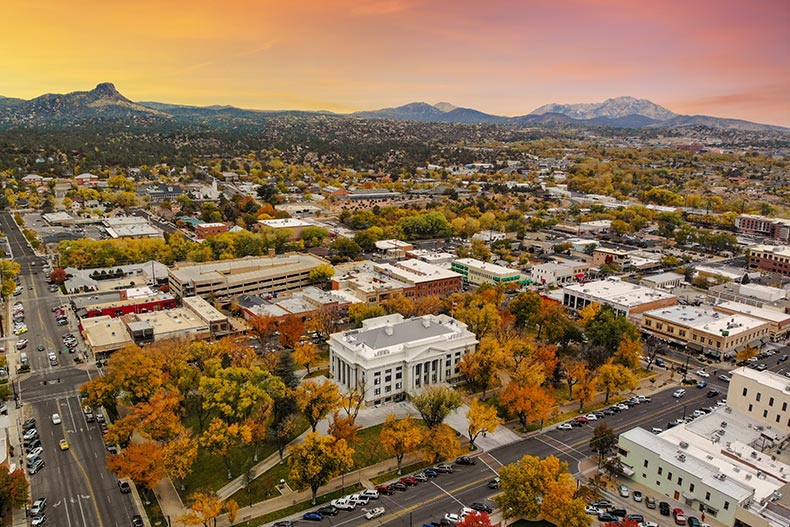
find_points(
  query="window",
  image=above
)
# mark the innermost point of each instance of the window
(447, 363)
(771, 401)
(707, 496)
(750, 407)
(399, 375)
(669, 476)
(680, 481)
(758, 396)
(726, 505)
(377, 391)
(691, 488)
(645, 463)
(377, 380)
(784, 407)
(744, 392)
(660, 470)
(388, 378)
(765, 414)
(387, 388)
(398, 386)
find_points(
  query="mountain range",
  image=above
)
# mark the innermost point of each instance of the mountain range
(105, 103)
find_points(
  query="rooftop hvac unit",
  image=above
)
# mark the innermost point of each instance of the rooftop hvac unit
(683, 444)
(724, 424)
(720, 476)
(681, 457)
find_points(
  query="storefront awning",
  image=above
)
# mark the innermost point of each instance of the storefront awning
(694, 346)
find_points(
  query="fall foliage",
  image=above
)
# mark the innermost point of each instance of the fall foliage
(399, 437)
(317, 460)
(482, 418)
(315, 400)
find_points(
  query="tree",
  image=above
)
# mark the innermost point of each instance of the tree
(363, 311)
(608, 330)
(440, 442)
(321, 274)
(628, 353)
(282, 431)
(530, 402)
(143, 463)
(324, 321)
(317, 460)
(475, 519)
(481, 367)
(237, 393)
(746, 353)
(603, 442)
(206, 508)
(435, 403)
(399, 437)
(179, 454)
(613, 378)
(482, 418)
(291, 330)
(58, 275)
(534, 487)
(575, 371)
(346, 248)
(219, 437)
(316, 400)
(8, 272)
(343, 427)
(305, 354)
(398, 303)
(13, 489)
(587, 389)
(354, 399)
(588, 313)
(313, 237)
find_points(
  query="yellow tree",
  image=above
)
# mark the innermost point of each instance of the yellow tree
(399, 437)
(206, 508)
(305, 354)
(219, 437)
(613, 378)
(530, 402)
(317, 460)
(481, 367)
(586, 390)
(589, 312)
(482, 418)
(343, 427)
(398, 303)
(8, 271)
(440, 442)
(575, 371)
(178, 456)
(140, 462)
(747, 353)
(315, 400)
(628, 353)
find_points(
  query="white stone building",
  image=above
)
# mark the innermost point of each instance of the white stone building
(391, 356)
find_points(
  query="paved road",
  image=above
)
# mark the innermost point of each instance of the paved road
(80, 490)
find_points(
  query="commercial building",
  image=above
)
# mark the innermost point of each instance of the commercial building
(131, 227)
(624, 298)
(774, 228)
(228, 279)
(663, 280)
(440, 258)
(391, 357)
(303, 303)
(394, 248)
(762, 395)
(104, 334)
(778, 322)
(218, 324)
(423, 278)
(205, 230)
(360, 280)
(293, 226)
(476, 272)
(753, 294)
(554, 273)
(769, 258)
(705, 330)
(122, 302)
(609, 256)
(151, 273)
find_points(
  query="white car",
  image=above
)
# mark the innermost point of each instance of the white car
(372, 494)
(703, 374)
(622, 406)
(344, 504)
(359, 499)
(56, 419)
(451, 518)
(595, 511)
(565, 426)
(34, 453)
(679, 393)
(21, 344)
(648, 524)
(591, 417)
(374, 513)
(624, 491)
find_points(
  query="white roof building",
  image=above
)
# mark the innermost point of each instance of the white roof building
(624, 297)
(391, 356)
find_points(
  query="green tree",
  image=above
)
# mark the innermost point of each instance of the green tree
(321, 274)
(435, 403)
(603, 442)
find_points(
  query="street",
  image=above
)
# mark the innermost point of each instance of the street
(80, 490)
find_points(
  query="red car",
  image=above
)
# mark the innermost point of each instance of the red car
(385, 489)
(679, 515)
(581, 419)
(409, 480)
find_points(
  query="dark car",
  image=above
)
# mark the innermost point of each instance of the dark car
(30, 423)
(431, 473)
(314, 516)
(607, 517)
(409, 480)
(602, 504)
(609, 411)
(398, 486)
(693, 521)
(663, 508)
(599, 415)
(620, 513)
(124, 487)
(712, 393)
(783, 358)
(635, 517)
(464, 460)
(331, 510)
(137, 521)
(385, 489)
(284, 523)
(481, 507)
(660, 362)
(581, 419)
(493, 484)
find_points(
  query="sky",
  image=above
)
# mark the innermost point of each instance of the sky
(727, 58)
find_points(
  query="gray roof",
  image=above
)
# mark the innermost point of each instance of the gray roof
(403, 332)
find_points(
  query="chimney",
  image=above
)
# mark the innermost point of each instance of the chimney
(388, 329)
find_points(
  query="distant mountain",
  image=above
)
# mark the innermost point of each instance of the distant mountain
(610, 108)
(102, 102)
(445, 106)
(105, 103)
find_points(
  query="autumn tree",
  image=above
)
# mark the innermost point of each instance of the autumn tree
(354, 398)
(315, 400)
(179, 455)
(587, 389)
(291, 330)
(534, 487)
(400, 436)
(575, 371)
(481, 367)
(628, 353)
(482, 418)
(435, 403)
(263, 327)
(475, 519)
(237, 393)
(530, 402)
(343, 427)
(134, 374)
(363, 311)
(324, 321)
(398, 303)
(143, 463)
(588, 313)
(220, 437)
(13, 489)
(317, 460)
(613, 378)
(205, 508)
(305, 354)
(321, 274)
(746, 353)
(282, 431)
(9, 270)
(58, 275)
(439, 442)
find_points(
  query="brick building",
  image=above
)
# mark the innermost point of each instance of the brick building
(772, 259)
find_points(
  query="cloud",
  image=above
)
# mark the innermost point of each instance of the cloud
(379, 8)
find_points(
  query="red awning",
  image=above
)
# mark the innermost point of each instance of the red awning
(580, 276)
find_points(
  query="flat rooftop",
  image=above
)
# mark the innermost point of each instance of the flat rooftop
(756, 312)
(286, 223)
(203, 309)
(489, 267)
(416, 271)
(619, 292)
(245, 269)
(133, 231)
(690, 316)
(169, 321)
(779, 250)
(767, 378)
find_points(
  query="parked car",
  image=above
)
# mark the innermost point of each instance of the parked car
(663, 508)
(724, 378)
(431, 473)
(33, 453)
(692, 521)
(328, 510)
(595, 511)
(601, 504)
(637, 496)
(137, 521)
(565, 426)
(481, 507)
(314, 516)
(639, 518)
(409, 480)
(399, 486)
(36, 466)
(371, 494)
(464, 460)
(493, 484)
(623, 491)
(444, 467)
(650, 502)
(359, 499)
(703, 374)
(39, 520)
(385, 489)
(124, 486)
(30, 434)
(374, 513)
(712, 393)
(421, 477)
(38, 506)
(677, 394)
(607, 517)
(679, 516)
(581, 419)
(344, 504)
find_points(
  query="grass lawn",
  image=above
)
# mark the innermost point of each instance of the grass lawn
(152, 510)
(318, 372)
(209, 471)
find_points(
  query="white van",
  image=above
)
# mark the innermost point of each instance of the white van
(23, 359)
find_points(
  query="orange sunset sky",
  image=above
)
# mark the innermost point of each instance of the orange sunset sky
(728, 58)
